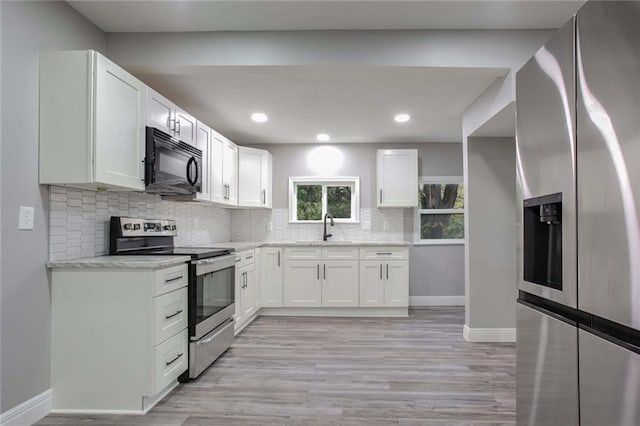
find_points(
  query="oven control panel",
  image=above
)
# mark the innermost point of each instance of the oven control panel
(134, 227)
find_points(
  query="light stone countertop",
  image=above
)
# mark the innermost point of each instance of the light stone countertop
(122, 262)
(248, 245)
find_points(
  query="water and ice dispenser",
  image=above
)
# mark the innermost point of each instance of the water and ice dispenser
(543, 240)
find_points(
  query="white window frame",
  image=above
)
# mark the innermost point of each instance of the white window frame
(419, 212)
(352, 181)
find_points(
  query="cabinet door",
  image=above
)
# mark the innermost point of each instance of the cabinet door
(119, 126)
(160, 111)
(230, 172)
(217, 189)
(396, 287)
(249, 177)
(248, 299)
(203, 143)
(302, 284)
(185, 127)
(239, 292)
(257, 278)
(267, 179)
(271, 277)
(397, 176)
(371, 283)
(340, 283)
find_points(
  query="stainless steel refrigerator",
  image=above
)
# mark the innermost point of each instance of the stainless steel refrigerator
(578, 159)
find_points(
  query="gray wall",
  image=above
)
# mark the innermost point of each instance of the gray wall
(437, 159)
(27, 28)
(491, 239)
(435, 270)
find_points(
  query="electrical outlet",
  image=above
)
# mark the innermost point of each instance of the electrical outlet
(25, 218)
(385, 225)
(366, 225)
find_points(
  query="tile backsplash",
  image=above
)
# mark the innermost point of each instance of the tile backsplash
(273, 225)
(79, 222)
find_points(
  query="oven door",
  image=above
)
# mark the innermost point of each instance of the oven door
(212, 295)
(173, 167)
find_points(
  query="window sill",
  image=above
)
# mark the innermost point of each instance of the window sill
(439, 243)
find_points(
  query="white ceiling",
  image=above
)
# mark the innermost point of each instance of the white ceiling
(262, 15)
(352, 104)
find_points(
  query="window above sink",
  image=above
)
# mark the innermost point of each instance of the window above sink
(310, 198)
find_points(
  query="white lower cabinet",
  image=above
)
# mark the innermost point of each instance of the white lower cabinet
(246, 290)
(384, 283)
(118, 336)
(371, 283)
(302, 283)
(340, 283)
(271, 276)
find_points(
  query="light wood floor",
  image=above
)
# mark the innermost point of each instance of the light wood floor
(334, 371)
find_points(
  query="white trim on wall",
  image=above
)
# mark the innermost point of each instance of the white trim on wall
(489, 335)
(436, 300)
(29, 411)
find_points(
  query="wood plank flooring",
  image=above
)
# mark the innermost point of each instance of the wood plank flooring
(343, 371)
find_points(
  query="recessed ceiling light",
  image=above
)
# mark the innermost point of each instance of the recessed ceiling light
(322, 137)
(402, 118)
(259, 117)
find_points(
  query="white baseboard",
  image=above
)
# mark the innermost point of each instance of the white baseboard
(489, 335)
(335, 312)
(29, 411)
(436, 300)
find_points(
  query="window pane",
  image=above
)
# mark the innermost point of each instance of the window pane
(309, 202)
(441, 196)
(441, 226)
(339, 201)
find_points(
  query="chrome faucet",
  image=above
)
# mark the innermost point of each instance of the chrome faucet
(325, 236)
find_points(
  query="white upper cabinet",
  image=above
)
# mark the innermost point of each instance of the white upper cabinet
(160, 112)
(230, 172)
(217, 189)
(185, 127)
(104, 148)
(166, 116)
(223, 170)
(254, 177)
(397, 178)
(203, 143)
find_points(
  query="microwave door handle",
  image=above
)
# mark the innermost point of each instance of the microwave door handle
(191, 160)
(195, 179)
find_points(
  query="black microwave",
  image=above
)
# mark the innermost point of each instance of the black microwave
(171, 166)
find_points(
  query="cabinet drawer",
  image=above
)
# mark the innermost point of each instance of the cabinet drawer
(302, 253)
(384, 253)
(170, 279)
(170, 312)
(340, 253)
(170, 360)
(244, 258)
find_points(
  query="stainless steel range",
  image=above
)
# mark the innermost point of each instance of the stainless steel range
(211, 284)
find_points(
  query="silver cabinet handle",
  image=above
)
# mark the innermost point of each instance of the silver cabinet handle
(178, 125)
(249, 257)
(170, 280)
(278, 258)
(381, 271)
(264, 196)
(318, 271)
(324, 270)
(173, 315)
(381, 196)
(168, 363)
(172, 120)
(387, 271)
(383, 254)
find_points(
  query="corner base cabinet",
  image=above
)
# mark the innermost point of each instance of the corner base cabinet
(92, 123)
(119, 337)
